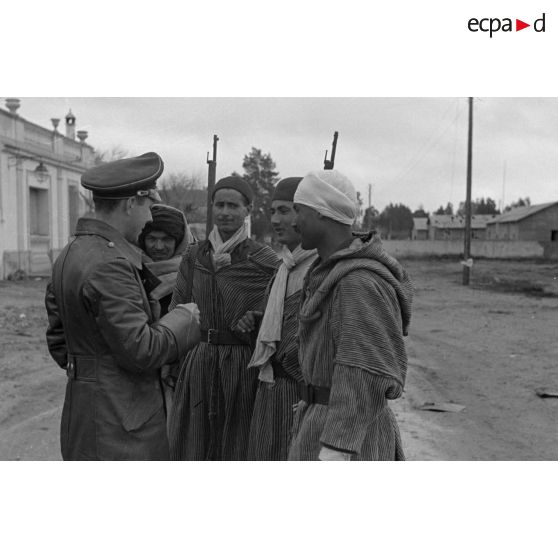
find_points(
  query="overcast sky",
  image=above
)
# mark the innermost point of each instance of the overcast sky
(412, 150)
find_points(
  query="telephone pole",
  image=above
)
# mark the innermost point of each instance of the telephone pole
(467, 247)
(503, 188)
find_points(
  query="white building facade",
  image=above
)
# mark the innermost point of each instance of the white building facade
(40, 193)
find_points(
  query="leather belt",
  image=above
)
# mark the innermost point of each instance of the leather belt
(221, 337)
(313, 394)
(82, 368)
(278, 370)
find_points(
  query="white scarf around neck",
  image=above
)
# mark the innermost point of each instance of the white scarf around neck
(272, 321)
(221, 250)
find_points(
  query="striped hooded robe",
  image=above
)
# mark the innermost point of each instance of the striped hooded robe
(272, 421)
(355, 311)
(214, 397)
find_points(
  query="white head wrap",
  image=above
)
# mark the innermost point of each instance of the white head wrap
(329, 193)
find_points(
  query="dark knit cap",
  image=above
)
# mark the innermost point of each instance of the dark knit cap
(167, 219)
(123, 178)
(234, 183)
(286, 188)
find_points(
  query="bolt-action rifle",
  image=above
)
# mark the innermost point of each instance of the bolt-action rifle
(211, 173)
(328, 165)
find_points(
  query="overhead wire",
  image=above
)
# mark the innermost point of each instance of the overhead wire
(431, 143)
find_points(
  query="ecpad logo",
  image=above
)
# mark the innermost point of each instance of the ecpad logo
(493, 25)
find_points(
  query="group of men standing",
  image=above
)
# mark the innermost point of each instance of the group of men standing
(220, 349)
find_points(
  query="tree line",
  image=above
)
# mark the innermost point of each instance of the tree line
(188, 192)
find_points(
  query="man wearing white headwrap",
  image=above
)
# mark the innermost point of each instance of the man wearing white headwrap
(276, 353)
(355, 311)
(330, 193)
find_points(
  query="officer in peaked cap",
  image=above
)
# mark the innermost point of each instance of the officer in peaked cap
(102, 330)
(125, 178)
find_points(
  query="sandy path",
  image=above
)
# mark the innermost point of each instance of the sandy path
(483, 349)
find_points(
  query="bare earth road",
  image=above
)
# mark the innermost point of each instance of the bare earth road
(486, 347)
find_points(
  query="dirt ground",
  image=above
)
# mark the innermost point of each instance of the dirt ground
(487, 347)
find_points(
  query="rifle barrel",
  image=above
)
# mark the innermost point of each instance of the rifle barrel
(328, 165)
(211, 174)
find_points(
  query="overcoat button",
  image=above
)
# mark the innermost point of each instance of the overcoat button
(111, 244)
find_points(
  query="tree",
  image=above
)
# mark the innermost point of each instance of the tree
(519, 203)
(396, 221)
(185, 192)
(448, 210)
(480, 206)
(260, 173)
(420, 212)
(111, 154)
(370, 218)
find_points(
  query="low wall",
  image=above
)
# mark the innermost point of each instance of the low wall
(28, 262)
(479, 248)
(13, 260)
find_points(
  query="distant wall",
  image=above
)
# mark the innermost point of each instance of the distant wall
(484, 249)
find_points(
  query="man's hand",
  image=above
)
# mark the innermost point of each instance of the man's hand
(249, 321)
(191, 308)
(330, 454)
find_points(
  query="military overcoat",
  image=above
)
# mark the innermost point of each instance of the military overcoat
(102, 331)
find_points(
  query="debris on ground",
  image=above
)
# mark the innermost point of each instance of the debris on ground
(17, 275)
(442, 407)
(545, 392)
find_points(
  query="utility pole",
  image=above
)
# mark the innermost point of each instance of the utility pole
(211, 173)
(503, 188)
(467, 247)
(369, 195)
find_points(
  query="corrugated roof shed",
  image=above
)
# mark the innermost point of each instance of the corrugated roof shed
(420, 223)
(519, 213)
(456, 222)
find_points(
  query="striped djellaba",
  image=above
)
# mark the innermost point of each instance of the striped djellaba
(214, 397)
(272, 420)
(355, 311)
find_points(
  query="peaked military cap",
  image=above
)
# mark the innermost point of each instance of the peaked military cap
(235, 183)
(286, 188)
(125, 178)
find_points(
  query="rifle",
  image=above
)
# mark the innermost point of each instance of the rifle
(211, 172)
(328, 165)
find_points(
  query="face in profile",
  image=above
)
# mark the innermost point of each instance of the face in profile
(159, 245)
(308, 225)
(139, 215)
(282, 217)
(230, 209)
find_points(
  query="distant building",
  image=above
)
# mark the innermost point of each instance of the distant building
(420, 228)
(452, 227)
(534, 222)
(40, 193)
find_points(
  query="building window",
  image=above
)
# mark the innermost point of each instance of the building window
(38, 211)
